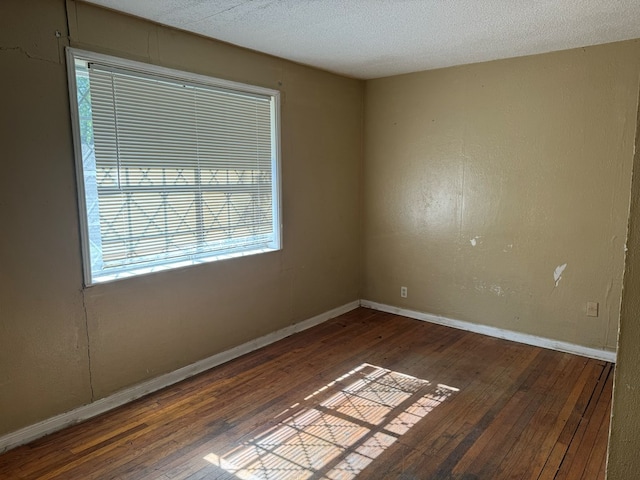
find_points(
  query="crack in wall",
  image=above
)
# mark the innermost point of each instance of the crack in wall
(27, 54)
(86, 330)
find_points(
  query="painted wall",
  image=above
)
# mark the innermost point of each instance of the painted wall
(483, 181)
(624, 441)
(62, 346)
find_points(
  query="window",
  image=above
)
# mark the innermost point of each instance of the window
(173, 168)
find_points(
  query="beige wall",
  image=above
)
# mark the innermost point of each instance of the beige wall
(480, 180)
(624, 441)
(136, 329)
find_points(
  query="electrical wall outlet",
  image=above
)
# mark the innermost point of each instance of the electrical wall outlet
(592, 309)
(403, 292)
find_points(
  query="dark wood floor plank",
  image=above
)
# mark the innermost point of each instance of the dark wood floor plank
(598, 459)
(552, 433)
(525, 459)
(502, 437)
(505, 411)
(369, 394)
(453, 430)
(581, 447)
(577, 412)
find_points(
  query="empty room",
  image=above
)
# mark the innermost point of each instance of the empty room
(319, 239)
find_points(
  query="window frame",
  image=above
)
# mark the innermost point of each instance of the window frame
(155, 71)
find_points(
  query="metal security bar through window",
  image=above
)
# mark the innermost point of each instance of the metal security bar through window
(176, 168)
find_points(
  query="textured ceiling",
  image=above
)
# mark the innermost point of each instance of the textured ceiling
(376, 38)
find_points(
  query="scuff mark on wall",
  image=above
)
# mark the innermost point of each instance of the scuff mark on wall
(607, 295)
(557, 274)
(474, 240)
(482, 287)
(497, 289)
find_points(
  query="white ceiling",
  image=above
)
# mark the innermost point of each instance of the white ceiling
(377, 38)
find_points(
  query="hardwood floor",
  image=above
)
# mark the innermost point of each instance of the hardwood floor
(367, 395)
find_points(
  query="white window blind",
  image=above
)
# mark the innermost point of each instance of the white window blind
(175, 170)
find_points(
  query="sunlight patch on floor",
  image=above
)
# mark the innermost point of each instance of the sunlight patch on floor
(338, 430)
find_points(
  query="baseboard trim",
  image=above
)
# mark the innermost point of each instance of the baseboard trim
(496, 332)
(50, 425)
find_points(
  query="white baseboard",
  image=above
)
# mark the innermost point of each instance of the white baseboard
(496, 332)
(93, 409)
(50, 425)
